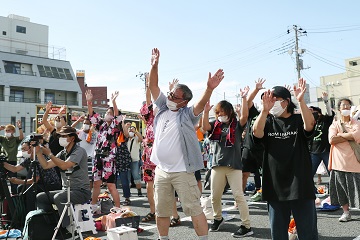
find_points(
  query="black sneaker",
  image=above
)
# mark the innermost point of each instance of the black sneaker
(216, 225)
(242, 232)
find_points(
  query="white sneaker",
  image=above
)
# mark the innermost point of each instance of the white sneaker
(95, 209)
(345, 217)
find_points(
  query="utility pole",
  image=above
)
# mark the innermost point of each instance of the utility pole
(142, 76)
(298, 51)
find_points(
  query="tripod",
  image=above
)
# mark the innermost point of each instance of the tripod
(71, 212)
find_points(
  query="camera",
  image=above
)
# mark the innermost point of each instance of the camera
(102, 152)
(3, 157)
(35, 138)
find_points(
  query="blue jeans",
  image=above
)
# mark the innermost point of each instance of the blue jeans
(304, 214)
(125, 183)
(135, 171)
(316, 160)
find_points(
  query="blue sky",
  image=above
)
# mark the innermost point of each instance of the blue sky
(112, 41)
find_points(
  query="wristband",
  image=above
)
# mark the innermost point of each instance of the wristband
(20, 128)
(326, 101)
(50, 155)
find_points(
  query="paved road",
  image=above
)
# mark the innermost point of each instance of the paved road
(328, 225)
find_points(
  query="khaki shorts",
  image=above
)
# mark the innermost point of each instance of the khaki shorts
(186, 187)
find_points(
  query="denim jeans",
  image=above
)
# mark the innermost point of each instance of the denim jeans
(316, 160)
(125, 183)
(135, 172)
(304, 214)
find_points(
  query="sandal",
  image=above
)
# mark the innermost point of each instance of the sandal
(175, 221)
(149, 217)
(127, 202)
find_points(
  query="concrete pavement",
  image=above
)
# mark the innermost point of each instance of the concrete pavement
(328, 225)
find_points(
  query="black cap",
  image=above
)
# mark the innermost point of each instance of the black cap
(282, 92)
(317, 109)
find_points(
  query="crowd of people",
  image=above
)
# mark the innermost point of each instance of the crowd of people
(286, 142)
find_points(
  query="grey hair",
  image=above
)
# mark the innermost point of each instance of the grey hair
(187, 93)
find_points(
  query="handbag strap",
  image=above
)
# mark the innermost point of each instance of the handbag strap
(343, 127)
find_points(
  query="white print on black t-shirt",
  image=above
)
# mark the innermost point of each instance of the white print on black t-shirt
(282, 135)
(165, 125)
(318, 129)
(225, 130)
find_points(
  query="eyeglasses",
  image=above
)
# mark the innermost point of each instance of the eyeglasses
(345, 105)
(172, 96)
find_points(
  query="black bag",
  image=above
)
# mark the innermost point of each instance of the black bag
(40, 225)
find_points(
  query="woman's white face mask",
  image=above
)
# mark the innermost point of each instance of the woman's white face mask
(25, 154)
(223, 119)
(345, 112)
(58, 124)
(277, 109)
(108, 118)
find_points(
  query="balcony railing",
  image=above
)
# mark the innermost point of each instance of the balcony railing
(63, 102)
(25, 100)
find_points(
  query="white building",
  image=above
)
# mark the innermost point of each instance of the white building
(28, 77)
(342, 85)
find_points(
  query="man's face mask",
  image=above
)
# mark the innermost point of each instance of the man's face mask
(86, 127)
(277, 109)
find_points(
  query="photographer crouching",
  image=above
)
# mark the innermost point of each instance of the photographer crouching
(37, 180)
(73, 158)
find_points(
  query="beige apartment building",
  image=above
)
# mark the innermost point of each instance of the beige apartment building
(346, 84)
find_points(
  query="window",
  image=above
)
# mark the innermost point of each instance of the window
(4, 33)
(103, 102)
(49, 97)
(61, 73)
(13, 120)
(23, 123)
(68, 74)
(20, 29)
(54, 72)
(353, 63)
(48, 72)
(12, 67)
(95, 102)
(16, 95)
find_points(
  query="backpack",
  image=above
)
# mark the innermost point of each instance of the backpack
(40, 225)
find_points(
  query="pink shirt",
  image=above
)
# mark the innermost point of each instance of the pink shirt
(342, 157)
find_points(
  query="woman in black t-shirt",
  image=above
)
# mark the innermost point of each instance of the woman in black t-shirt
(287, 181)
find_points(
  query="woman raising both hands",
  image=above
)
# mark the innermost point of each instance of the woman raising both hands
(104, 164)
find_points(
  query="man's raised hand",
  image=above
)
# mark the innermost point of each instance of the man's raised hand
(155, 55)
(215, 80)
